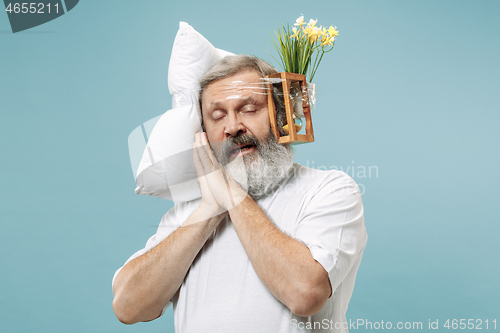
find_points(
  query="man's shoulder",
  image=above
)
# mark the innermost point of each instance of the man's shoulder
(320, 175)
(322, 182)
(307, 183)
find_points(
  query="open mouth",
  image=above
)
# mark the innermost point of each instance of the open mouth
(242, 148)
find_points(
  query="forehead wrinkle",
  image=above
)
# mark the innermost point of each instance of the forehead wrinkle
(238, 87)
(234, 89)
(240, 100)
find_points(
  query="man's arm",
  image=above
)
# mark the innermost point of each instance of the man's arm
(283, 264)
(147, 283)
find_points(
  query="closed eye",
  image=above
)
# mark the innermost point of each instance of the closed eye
(217, 114)
(249, 108)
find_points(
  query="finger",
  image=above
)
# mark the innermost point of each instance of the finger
(229, 192)
(204, 154)
(197, 149)
(200, 170)
(201, 154)
(210, 152)
(197, 139)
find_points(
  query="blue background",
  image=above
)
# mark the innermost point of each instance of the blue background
(410, 90)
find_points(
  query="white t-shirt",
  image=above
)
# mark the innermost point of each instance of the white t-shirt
(222, 292)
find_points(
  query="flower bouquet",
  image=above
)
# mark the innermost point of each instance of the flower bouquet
(300, 51)
(297, 48)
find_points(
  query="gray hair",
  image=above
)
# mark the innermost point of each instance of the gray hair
(231, 65)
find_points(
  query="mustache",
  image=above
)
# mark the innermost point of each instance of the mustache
(233, 143)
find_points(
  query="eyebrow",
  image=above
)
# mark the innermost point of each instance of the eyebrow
(218, 104)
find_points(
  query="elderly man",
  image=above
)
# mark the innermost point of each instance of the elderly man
(271, 246)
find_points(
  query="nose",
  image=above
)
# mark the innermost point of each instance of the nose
(234, 127)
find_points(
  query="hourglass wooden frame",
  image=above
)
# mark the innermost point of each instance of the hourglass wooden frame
(286, 80)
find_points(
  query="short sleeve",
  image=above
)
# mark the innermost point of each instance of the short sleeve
(332, 226)
(169, 223)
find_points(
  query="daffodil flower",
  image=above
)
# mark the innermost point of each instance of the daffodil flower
(295, 33)
(312, 33)
(300, 21)
(328, 41)
(320, 32)
(312, 22)
(332, 31)
(307, 31)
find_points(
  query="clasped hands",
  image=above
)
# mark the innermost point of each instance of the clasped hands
(219, 192)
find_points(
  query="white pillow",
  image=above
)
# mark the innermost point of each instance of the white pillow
(192, 55)
(166, 168)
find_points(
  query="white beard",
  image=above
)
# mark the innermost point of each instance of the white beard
(262, 171)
